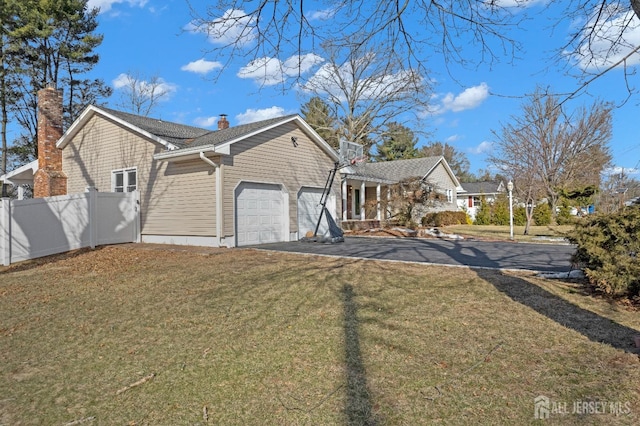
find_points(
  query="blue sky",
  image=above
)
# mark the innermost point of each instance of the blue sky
(151, 38)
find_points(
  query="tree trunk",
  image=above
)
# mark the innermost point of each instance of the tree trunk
(635, 4)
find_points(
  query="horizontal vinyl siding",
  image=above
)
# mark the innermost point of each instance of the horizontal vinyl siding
(184, 201)
(179, 192)
(442, 181)
(101, 147)
(270, 157)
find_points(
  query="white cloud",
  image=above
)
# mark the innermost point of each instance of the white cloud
(452, 138)
(270, 71)
(206, 121)
(201, 66)
(145, 88)
(234, 27)
(251, 115)
(105, 5)
(608, 39)
(470, 98)
(515, 3)
(322, 15)
(333, 80)
(616, 170)
(482, 148)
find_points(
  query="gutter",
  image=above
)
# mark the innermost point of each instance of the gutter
(188, 153)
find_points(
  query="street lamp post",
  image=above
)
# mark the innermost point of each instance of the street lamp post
(510, 188)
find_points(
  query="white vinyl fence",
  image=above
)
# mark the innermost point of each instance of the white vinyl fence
(43, 226)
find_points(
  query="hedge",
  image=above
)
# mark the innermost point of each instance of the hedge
(445, 218)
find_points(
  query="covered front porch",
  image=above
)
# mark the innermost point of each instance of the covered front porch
(365, 199)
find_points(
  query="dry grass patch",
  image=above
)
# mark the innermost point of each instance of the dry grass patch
(536, 233)
(126, 335)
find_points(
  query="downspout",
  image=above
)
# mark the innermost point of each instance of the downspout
(219, 199)
(208, 160)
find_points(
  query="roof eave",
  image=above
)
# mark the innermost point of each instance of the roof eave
(449, 171)
(191, 153)
(23, 175)
(92, 110)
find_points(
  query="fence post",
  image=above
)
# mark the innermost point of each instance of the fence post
(93, 215)
(5, 232)
(136, 209)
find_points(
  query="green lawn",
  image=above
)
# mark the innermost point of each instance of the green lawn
(129, 335)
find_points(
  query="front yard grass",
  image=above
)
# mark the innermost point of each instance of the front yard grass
(128, 335)
(498, 232)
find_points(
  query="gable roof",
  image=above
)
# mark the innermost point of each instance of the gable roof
(23, 175)
(484, 187)
(183, 141)
(175, 133)
(398, 170)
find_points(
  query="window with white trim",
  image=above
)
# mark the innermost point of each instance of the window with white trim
(450, 195)
(125, 180)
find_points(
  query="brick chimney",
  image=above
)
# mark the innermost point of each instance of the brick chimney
(223, 123)
(49, 180)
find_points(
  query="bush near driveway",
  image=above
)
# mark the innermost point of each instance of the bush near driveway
(609, 250)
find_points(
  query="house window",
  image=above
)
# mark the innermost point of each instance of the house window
(450, 195)
(125, 180)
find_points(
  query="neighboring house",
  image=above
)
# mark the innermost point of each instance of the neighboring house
(474, 193)
(365, 189)
(249, 184)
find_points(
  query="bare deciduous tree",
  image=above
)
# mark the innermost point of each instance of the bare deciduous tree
(289, 29)
(367, 92)
(409, 198)
(139, 95)
(546, 150)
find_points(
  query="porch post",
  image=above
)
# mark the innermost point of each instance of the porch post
(378, 213)
(387, 213)
(344, 198)
(20, 192)
(363, 214)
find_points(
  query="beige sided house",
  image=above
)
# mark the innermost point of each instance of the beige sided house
(249, 184)
(366, 189)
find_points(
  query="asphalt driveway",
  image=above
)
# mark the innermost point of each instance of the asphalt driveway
(485, 254)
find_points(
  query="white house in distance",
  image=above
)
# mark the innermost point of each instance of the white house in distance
(474, 192)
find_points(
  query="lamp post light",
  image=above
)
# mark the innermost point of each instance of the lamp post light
(510, 188)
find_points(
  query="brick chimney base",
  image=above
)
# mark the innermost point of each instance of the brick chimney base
(49, 183)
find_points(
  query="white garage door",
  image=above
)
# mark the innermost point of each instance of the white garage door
(260, 215)
(309, 211)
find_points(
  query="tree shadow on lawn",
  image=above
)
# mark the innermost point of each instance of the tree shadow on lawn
(591, 325)
(359, 407)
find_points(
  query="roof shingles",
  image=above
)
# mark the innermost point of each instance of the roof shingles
(398, 170)
(183, 136)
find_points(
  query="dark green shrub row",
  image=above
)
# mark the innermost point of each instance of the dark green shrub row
(608, 250)
(497, 213)
(445, 218)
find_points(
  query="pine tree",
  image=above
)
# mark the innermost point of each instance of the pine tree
(54, 43)
(317, 113)
(398, 143)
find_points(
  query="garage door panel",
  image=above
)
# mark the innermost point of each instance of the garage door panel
(260, 215)
(309, 211)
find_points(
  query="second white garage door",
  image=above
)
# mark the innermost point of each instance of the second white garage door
(309, 210)
(260, 214)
